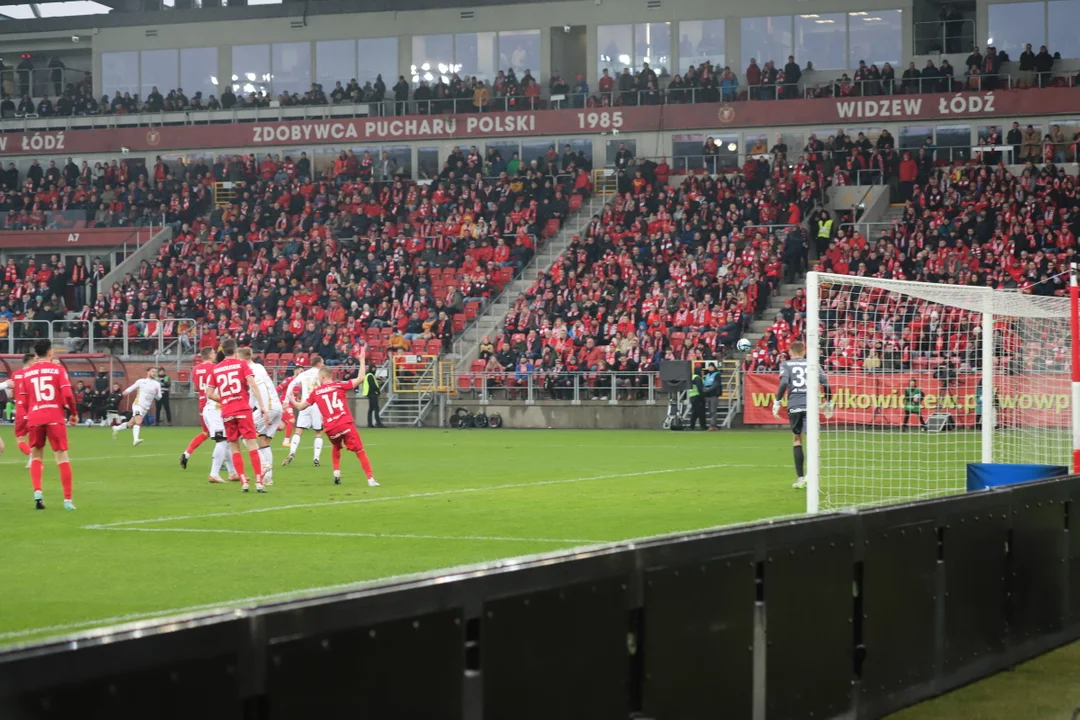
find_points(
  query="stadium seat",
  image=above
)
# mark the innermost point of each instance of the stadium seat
(271, 359)
(286, 359)
(183, 376)
(471, 310)
(458, 322)
(477, 365)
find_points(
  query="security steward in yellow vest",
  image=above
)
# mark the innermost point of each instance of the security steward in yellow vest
(371, 391)
(697, 401)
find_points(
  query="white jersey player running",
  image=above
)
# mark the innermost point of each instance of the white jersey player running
(146, 390)
(265, 425)
(309, 418)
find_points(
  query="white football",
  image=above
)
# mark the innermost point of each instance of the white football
(743, 345)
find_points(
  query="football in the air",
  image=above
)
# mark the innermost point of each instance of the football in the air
(743, 345)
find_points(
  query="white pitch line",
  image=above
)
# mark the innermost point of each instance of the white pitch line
(435, 493)
(404, 536)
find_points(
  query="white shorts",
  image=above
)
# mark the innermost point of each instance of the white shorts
(309, 419)
(137, 410)
(267, 427)
(212, 417)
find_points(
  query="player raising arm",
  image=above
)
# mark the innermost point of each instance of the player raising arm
(793, 384)
(46, 392)
(146, 390)
(230, 385)
(332, 401)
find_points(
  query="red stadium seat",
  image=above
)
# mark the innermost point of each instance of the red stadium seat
(677, 339)
(271, 359)
(471, 310)
(286, 358)
(182, 376)
(477, 365)
(465, 384)
(575, 203)
(552, 227)
(458, 322)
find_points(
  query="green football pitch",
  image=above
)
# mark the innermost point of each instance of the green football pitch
(149, 538)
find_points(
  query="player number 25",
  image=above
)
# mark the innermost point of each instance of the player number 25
(44, 389)
(229, 383)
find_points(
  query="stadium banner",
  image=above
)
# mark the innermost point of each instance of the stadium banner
(827, 112)
(878, 399)
(58, 239)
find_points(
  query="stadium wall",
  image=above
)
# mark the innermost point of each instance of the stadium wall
(853, 615)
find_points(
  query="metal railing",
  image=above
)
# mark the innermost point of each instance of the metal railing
(956, 35)
(168, 338)
(576, 387)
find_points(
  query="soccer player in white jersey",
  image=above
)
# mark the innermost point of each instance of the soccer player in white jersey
(309, 418)
(146, 390)
(265, 425)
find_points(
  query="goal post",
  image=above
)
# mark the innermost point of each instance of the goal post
(927, 378)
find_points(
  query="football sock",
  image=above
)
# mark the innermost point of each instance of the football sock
(36, 468)
(318, 447)
(121, 426)
(195, 443)
(256, 463)
(288, 429)
(135, 430)
(24, 448)
(798, 460)
(335, 457)
(266, 457)
(218, 458)
(365, 463)
(65, 478)
(294, 444)
(238, 462)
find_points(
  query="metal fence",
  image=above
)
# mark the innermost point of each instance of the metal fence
(575, 387)
(164, 339)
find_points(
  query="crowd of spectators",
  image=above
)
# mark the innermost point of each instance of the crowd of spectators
(301, 261)
(661, 273)
(962, 225)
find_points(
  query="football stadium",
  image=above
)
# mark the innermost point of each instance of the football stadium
(602, 360)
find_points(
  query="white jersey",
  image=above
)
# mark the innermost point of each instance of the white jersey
(307, 380)
(266, 386)
(147, 391)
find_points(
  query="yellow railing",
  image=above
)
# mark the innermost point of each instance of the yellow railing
(421, 374)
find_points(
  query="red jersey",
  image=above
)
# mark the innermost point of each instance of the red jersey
(16, 381)
(46, 391)
(229, 378)
(281, 388)
(201, 376)
(333, 404)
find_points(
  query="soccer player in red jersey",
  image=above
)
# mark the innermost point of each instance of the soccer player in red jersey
(229, 385)
(289, 417)
(338, 423)
(46, 392)
(200, 375)
(13, 386)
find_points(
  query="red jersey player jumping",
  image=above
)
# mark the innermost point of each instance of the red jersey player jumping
(229, 385)
(338, 423)
(46, 392)
(200, 375)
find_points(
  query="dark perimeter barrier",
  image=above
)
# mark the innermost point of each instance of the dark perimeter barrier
(852, 615)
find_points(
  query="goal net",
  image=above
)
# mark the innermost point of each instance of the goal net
(926, 378)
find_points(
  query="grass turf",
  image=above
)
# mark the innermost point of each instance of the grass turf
(447, 498)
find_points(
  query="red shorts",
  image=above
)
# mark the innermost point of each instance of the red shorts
(20, 423)
(240, 426)
(346, 437)
(287, 413)
(55, 432)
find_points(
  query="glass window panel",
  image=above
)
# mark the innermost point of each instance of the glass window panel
(1063, 19)
(612, 148)
(701, 41)
(520, 50)
(1013, 25)
(764, 39)
(579, 145)
(615, 44)
(198, 71)
(335, 61)
(912, 136)
(536, 150)
(432, 58)
(874, 37)
(475, 55)
(686, 153)
(954, 142)
(119, 73)
(820, 39)
(402, 155)
(728, 156)
(251, 68)
(428, 159)
(291, 67)
(652, 44)
(160, 69)
(380, 57)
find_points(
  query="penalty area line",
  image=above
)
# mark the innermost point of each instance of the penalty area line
(402, 536)
(434, 493)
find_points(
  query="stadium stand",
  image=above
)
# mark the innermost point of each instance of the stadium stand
(295, 263)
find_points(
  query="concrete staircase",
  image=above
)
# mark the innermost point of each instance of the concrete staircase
(893, 213)
(776, 303)
(490, 320)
